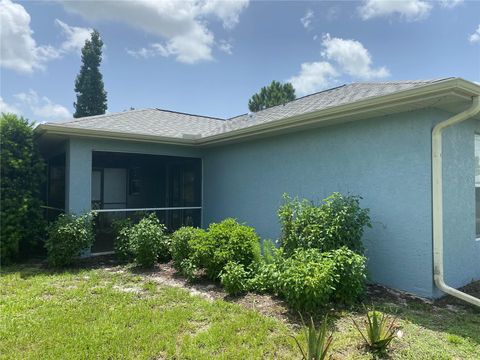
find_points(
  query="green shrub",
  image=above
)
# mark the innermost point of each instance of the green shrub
(67, 237)
(225, 242)
(188, 268)
(350, 275)
(181, 247)
(22, 228)
(148, 241)
(266, 273)
(338, 221)
(123, 248)
(265, 278)
(307, 280)
(234, 278)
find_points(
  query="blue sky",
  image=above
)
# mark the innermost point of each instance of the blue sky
(208, 57)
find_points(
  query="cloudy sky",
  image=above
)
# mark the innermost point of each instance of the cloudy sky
(208, 57)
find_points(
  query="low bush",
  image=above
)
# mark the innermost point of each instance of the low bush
(181, 247)
(67, 237)
(307, 280)
(234, 278)
(123, 248)
(226, 242)
(338, 221)
(148, 241)
(350, 275)
(265, 278)
(266, 273)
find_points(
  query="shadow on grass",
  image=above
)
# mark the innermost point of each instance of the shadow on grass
(447, 315)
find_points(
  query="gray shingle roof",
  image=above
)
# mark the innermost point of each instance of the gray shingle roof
(179, 125)
(148, 122)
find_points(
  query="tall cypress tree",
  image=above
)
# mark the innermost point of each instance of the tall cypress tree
(91, 95)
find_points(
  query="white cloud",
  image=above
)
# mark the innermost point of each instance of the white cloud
(75, 36)
(340, 57)
(307, 19)
(450, 4)
(227, 11)
(7, 108)
(352, 57)
(42, 107)
(225, 46)
(181, 24)
(17, 46)
(313, 77)
(475, 37)
(410, 10)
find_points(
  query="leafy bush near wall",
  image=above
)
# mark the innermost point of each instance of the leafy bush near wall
(148, 241)
(68, 236)
(310, 279)
(338, 221)
(350, 275)
(22, 228)
(181, 248)
(234, 278)
(306, 280)
(123, 248)
(226, 242)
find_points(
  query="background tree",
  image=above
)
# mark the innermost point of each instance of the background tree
(91, 95)
(271, 95)
(22, 174)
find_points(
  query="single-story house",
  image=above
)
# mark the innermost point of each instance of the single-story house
(381, 141)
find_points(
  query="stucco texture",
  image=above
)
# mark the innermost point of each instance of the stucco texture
(387, 162)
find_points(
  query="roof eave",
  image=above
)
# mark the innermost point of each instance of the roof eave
(455, 86)
(107, 134)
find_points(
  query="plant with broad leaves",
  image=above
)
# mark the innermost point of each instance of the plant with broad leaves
(68, 236)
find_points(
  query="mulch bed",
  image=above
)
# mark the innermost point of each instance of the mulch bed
(268, 305)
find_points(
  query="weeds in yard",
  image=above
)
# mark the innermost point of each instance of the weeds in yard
(318, 341)
(379, 330)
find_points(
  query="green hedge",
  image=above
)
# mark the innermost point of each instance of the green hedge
(22, 228)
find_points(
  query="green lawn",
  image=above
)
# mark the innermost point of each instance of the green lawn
(95, 313)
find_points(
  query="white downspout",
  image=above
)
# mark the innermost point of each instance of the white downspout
(438, 200)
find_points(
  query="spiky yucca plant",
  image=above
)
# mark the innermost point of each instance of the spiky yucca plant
(318, 341)
(379, 330)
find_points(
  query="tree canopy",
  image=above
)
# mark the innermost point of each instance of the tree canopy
(271, 95)
(89, 89)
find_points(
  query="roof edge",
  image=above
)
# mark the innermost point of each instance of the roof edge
(458, 86)
(454, 86)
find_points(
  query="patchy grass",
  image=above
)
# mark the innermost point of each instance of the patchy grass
(104, 315)
(116, 314)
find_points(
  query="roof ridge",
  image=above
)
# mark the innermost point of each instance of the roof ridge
(402, 81)
(102, 115)
(291, 101)
(197, 115)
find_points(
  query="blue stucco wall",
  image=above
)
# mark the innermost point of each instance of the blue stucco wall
(461, 250)
(385, 160)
